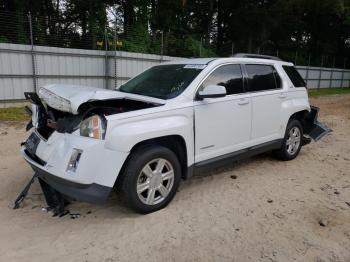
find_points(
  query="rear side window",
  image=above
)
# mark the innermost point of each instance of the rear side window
(294, 76)
(262, 77)
(229, 76)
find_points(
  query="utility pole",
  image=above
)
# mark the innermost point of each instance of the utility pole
(320, 74)
(331, 78)
(342, 73)
(308, 69)
(106, 60)
(115, 57)
(162, 46)
(32, 51)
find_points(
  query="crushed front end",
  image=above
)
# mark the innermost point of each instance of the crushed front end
(67, 153)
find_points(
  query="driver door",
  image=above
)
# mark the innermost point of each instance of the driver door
(223, 125)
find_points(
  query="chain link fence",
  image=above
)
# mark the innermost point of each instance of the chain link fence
(107, 56)
(20, 28)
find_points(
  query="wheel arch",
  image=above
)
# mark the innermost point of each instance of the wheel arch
(299, 115)
(175, 143)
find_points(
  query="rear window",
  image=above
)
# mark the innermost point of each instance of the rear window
(294, 76)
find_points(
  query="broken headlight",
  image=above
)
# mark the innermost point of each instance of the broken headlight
(94, 127)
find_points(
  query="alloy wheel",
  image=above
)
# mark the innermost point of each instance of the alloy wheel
(155, 181)
(293, 140)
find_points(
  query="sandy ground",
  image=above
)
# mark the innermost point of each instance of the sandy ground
(270, 212)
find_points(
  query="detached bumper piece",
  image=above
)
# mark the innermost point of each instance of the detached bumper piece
(54, 199)
(23, 194)
(312, 127)
(91, 193)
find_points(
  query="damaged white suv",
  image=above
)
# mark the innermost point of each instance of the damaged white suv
(170, 122)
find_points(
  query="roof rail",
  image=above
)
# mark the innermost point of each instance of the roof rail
(257, 56)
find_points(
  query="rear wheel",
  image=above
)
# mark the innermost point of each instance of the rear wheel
(150, 178)
(292, 141)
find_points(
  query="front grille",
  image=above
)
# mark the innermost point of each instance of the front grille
(45, 131)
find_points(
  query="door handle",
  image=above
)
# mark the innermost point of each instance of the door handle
(282, 95)
(243, 101)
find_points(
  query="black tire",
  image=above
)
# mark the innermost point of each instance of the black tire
(283, 153)
(130, 177)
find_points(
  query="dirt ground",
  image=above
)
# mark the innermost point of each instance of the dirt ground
(259, 209)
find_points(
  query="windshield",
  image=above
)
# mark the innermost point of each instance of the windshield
(164, 81)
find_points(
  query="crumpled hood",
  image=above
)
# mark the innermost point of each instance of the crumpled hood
(68, 98)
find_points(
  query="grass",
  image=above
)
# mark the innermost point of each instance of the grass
(328, 91)
(13, 114)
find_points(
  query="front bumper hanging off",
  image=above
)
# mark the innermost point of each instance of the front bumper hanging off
(56, 189)
(92, 193)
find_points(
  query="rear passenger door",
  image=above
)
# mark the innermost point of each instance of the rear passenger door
(267, 95)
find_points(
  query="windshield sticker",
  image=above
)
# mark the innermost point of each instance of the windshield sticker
(195, 66)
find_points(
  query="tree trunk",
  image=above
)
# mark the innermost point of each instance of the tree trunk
(210, 16)
(219, 26)
(152, 20)
(250, 42)
(92, 24)
(129, 15)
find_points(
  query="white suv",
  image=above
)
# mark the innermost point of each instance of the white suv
(170, 122)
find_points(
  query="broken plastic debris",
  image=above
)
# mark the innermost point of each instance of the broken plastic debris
(323, 222)
(74, 216)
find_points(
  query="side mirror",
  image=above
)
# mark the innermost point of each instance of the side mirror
(212, 91)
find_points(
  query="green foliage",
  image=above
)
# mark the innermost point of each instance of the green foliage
(138, 39)
(3, 39)
(13, 114)
(304, 31)
(328, 91)
(196, 49)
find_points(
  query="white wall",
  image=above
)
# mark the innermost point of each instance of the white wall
(88, 67)
(65, 65)
(321, 77)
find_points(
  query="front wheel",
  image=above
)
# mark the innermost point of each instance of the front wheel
(150, 178)
(292, 141)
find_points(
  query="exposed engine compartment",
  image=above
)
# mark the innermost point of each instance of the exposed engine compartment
(50, 119)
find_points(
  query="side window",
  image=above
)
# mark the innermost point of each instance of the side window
(294, 76)
(262, 77)
(229, 76)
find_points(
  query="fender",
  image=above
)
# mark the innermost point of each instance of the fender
(291, 107)
(125, 136)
